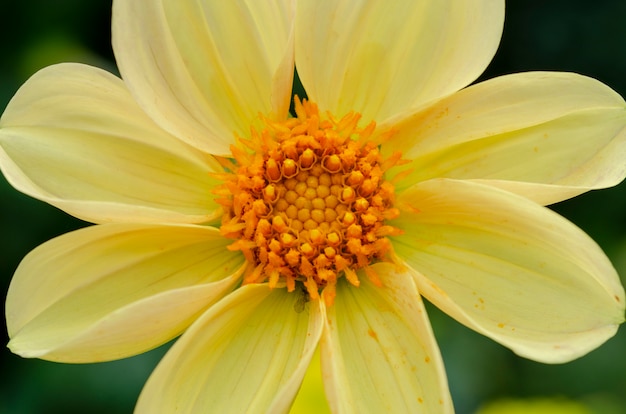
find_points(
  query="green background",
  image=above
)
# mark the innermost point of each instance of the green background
(583, 36)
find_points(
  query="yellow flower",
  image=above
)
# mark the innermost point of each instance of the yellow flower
(259, 237)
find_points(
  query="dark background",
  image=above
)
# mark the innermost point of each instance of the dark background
(583, 36)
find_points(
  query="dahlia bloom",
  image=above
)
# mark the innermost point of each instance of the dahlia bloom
(260, 236)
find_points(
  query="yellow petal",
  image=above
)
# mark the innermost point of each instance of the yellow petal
(205, 70)
(116, 290)
(509, 268)
(384, 58)
(547, 136)
(378, 350)
(247, 353)
(73, 137)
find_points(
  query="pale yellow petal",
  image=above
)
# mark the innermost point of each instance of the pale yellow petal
(115, 290)
(73, 137)
(378, 350)
(509, 268)
(384, 59)
(547, 136)
(246, 354)
(205, 70)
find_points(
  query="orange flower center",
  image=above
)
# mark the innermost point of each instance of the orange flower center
(307, 202)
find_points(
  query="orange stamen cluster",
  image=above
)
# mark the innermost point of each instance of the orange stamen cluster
(308, 202)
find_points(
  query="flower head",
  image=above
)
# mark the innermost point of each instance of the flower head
(309, 203)
(260, 236)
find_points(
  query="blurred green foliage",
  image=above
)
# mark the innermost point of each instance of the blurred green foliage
(535, 406)
(566, 35)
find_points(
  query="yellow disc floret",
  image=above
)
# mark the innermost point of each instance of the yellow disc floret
(306, 201)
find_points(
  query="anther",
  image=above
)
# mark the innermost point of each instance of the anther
(316, 236)
(333, 239)
(260, 208)
(272, 171)
(287, 239)
(332, 163)
(348, 218)
(279, 224)
(354, 231)
(270, 194)
(290, 168)
(367, 187)
(361, 204)
(355, 178)
(307, 158)
(330, 252)
(348, 195)
(307, 250)
(275, 246)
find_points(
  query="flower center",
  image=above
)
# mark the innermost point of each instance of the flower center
(307, 202)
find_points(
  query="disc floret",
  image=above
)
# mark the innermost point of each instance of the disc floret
(307, 201)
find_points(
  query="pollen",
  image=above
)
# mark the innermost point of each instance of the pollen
(306, 202)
